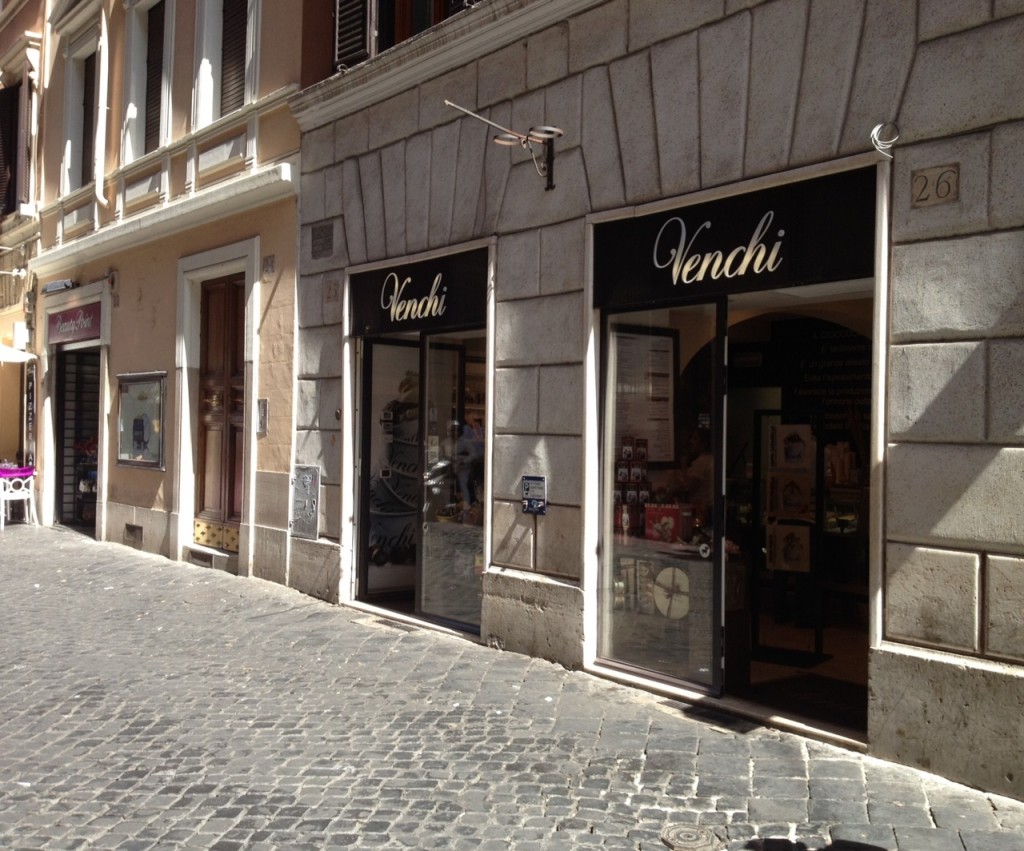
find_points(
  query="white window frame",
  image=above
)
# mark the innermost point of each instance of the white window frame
(206, 87)
(133, 142)
(76, 55)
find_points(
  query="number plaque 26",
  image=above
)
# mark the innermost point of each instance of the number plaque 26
(937, 185)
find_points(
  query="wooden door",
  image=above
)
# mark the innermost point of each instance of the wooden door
(221, 413)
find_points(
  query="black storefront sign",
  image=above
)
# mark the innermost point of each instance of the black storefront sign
(443, 293)
(810, 232)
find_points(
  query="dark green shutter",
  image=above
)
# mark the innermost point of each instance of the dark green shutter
(24, 155)
(154, 75)
(9, 108)
(232, 56)
(350, 29)
(88, 119)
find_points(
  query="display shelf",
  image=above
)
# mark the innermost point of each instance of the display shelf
(85, 491)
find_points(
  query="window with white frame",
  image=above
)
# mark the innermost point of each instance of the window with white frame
(364, 28)
(226, 60)
(148, 50)
(17, 114)
(81, 26)
(80, 117)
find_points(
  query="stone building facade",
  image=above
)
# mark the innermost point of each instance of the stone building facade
(698, 113)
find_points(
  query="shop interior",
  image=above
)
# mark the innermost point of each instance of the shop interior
(794, 447)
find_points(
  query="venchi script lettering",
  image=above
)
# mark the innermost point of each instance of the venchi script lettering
(76, 322)
(401, 308)
(690, 267)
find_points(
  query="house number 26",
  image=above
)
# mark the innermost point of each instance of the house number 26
(937, 185)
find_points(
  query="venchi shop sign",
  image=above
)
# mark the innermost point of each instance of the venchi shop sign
(75, 323)
(447, 292)
(808, 232)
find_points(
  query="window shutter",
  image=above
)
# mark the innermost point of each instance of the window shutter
(154, 75)
(25, 140)
(88, 166)
(233, 38)
(350, 32)
(9, 158)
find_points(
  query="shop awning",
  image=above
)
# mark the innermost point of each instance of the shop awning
(10, 355)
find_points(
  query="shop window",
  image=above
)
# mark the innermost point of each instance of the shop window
(224, 74)
(662, 493)
(364, 28)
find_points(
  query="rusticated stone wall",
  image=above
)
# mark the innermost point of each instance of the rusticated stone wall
(659, 100)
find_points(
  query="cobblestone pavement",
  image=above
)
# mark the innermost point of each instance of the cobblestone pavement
(150, 704)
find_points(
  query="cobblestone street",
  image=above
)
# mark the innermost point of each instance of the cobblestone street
(151, 704)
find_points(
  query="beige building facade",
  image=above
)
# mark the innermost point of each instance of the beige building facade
(703, 378)
(21, 27)
(165, 281)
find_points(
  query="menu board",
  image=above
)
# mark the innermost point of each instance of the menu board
(645, 362)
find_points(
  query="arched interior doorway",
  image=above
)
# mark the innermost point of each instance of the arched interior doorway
(796, 448)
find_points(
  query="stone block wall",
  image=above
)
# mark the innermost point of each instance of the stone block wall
(658, 100)
(949, 665)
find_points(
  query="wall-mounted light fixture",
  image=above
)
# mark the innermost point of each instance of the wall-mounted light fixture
(542, 135)
(891, 131)
(58, 285)
(15, 273)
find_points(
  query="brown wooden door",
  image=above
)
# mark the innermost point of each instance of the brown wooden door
(221, 413)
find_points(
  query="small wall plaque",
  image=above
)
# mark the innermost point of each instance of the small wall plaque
(939, 184)
(322, 240)
(305, 522)
(262, 415)
(535, 495)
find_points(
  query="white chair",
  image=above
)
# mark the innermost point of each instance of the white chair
(18, 488)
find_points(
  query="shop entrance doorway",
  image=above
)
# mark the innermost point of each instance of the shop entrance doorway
(422, 329)
(797, 506)
(78, 422)
(421, 536)
(766, 294)
(738, 435)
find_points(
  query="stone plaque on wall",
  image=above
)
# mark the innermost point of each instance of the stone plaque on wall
(305, 519)
(323, 240)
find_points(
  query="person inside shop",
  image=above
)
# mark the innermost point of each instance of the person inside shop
(469, 453)
(696, 482)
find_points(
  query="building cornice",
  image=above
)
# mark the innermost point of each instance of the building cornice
(229, 198)
(468, 36)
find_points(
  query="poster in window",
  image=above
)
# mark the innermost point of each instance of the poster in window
(789, 547)
(644, 369)
(793, 447)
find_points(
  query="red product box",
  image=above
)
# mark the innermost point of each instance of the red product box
(663, 523)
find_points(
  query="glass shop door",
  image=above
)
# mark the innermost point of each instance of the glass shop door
(422, 482)
(449, 588)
